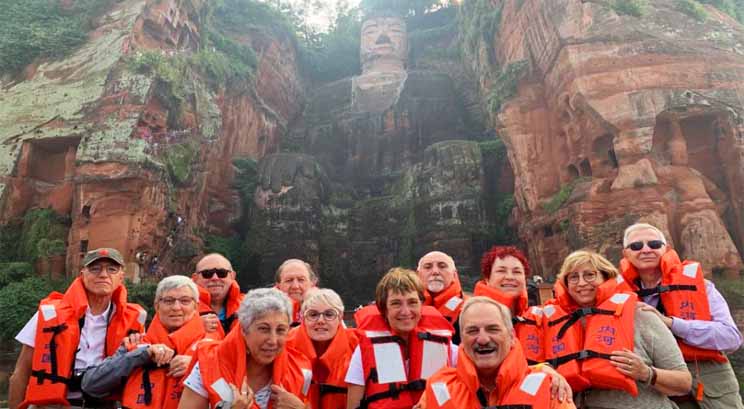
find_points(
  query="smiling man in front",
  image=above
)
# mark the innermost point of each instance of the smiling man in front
(491, 369)
(73, 332)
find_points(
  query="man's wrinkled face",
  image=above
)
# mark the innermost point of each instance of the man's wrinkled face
(207, 276)
(647, 258)
(485, 337)
(102, 276)
(437, 271)
(294, 280)
(384, 37)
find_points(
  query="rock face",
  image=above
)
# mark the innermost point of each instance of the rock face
(96, 139)
(620, 119)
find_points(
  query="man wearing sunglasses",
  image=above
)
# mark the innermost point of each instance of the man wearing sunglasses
(73, 332)
(219, 294)
(692, 308)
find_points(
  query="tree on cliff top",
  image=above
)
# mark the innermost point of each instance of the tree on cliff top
(402, 7)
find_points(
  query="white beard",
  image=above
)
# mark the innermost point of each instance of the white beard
(435, 286)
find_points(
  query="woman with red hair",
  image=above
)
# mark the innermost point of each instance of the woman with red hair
(504, 273)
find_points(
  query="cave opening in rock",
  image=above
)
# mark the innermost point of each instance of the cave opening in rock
(573, 172)
(585, 167)
(603, 155)
(50, 159)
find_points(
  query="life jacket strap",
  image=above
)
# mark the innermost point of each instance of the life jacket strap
(147, 386)
(661, 289)
(394, 390)
(428, 336)
(387, 339)
(41, 376)
(576, 316)
(581, 355)
(324, 389)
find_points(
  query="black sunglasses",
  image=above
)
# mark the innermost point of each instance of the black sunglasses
(221, 273)
(652, 244)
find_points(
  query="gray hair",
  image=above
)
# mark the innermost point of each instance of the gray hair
(174, 282)
(505, 313)
(311, 274)
(261, 301)
(641, 226)
(323, 295)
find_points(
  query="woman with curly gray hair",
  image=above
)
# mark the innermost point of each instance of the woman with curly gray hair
(252, 365)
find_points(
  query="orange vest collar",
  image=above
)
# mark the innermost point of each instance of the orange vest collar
(517, 304)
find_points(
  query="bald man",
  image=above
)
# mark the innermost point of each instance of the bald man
(294, 277)
(219, 294)
(442, 286)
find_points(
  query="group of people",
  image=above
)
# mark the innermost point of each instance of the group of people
(652, 333)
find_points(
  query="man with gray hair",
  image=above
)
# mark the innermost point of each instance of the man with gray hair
(691, 307)
(154, 363)
(442, 288)
(294, 277)
(490, 352)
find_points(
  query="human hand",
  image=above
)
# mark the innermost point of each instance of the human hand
(160, 354)
(284, 400)
(666, 320)
(131, 341)
(243, 398)
(559, 387)
(178, 365)
(211, 322)
(630, 364)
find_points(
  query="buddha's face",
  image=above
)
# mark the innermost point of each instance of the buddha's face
(384, 44)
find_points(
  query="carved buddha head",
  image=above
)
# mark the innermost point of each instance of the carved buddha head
(384, 44)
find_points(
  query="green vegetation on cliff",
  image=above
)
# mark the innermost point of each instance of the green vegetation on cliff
(562, 196)
(635, 8)
(692, 9)
(30, 29)
(504, 86)
(479, 22)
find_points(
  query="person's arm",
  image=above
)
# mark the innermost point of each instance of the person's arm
(719, 334)
(20, 376)
(354, 396)
(192, 400)
(108, 377)
(672, 382)
(355, 380)
(672, 376)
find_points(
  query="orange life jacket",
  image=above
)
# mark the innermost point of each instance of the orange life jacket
(296, 308)
(232, 303)
(582, 353)
(527, 321)
(58, 335)
(329, 392)
(683, 295)
(223, 363)
(388, 384)
(448, 302)
(148, 386)
(517, 386)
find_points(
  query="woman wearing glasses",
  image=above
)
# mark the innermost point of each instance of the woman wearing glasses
(504, 273)
(252, 367)
(323, 339)
(153, 364)
(619, 355)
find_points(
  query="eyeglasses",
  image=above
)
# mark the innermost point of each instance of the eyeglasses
(221, 273)
(652, 244)
(589, 277)
(110, 269)
(170, 301)
(328, 315)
